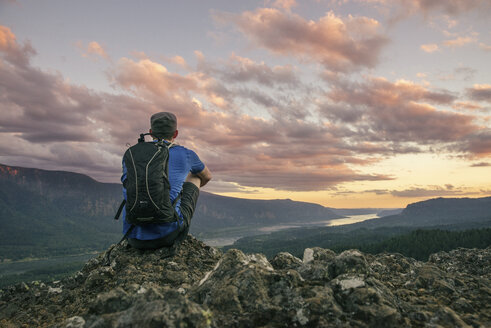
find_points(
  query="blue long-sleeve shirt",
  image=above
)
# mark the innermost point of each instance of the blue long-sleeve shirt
(181, 162)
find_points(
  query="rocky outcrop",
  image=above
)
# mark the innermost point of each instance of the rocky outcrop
(194, 285)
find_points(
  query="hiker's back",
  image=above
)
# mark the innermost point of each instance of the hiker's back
(154, 183)
(147, 184)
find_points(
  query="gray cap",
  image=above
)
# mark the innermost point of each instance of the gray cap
(163, 124)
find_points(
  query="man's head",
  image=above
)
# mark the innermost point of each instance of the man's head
(163, 125)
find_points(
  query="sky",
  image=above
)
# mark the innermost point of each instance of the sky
(345, 103)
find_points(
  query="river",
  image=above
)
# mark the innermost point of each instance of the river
(18, 267)
(225, 241)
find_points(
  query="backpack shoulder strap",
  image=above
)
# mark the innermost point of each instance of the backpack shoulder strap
(179, 196)
(120, 209)
(172, 144)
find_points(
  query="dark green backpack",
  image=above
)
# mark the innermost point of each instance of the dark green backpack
(147, 184)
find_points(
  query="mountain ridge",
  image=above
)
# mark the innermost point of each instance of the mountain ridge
(65, 212)
(46, 213)
(436, 211)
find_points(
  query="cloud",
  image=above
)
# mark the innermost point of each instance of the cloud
(43, 108)
(453, 43)
(484, 46)
(466, 73)
(179, 61)
(480, 92)
(467, 106)
(400, 112)
(429, 48)
(240, 69)
(14, 53)
(481, 164)
(459, 73)
(284, 4)
(47, 120)
(338, 44)
(451, 7)
(40, 106)
(241, 148)
(148, 77)
(96, 49)
(431, 191)
(437, 191)
(459, 41)
(228, 187)
(377, 191)
(87, 158)
(426, 7)
(477, 144)
(295, 180)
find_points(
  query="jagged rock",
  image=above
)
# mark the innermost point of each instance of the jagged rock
(194, 285)
(284, 261)
(114, 300)
(367, 299)
(152, 307)
(350, 261)
(446, 317)
(242, 284)
(75, 322)
(317, 264)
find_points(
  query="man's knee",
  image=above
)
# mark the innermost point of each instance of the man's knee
(190, 194)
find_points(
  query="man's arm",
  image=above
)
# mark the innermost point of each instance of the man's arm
(200, 178)
(204, 176)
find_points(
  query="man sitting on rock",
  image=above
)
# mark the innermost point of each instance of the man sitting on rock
(186, 172)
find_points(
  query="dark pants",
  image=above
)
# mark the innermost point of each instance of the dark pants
(189, 199)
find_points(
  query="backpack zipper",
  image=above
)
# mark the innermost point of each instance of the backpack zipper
(146, 177)
(136, 179)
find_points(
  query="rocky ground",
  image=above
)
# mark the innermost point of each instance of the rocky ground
(194, 285)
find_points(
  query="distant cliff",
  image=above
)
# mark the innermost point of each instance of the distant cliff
(438, 212)
(194, 285)
(45, 213)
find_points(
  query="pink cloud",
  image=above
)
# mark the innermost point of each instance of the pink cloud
(399, 111)
(338, 44)
(480, 92)
(459, 42)
(40, 106)
(14, 52)
(240, 137)
(272, 148)
(93, 50)
(179, 61)
(49, 121)
(478, 145)
(467, 106)
(284, 4)
(429, 48)
(149, 76)
(240, 69)
(451, 7)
